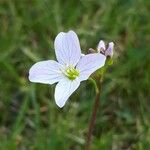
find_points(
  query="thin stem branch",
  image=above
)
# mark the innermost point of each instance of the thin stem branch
(93, 118)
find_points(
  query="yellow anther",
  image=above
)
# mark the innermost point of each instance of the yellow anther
(71, 72)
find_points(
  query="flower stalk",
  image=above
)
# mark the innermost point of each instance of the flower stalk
(97, 86)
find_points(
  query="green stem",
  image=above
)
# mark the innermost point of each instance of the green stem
(95, 84)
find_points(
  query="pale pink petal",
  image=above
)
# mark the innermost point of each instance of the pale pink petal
(89, 64)
(109, 51)
(101, 46)
(67, 48)
(64, 89)
(47, 72)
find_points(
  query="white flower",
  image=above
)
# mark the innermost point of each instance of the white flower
(72, 67)
(102, 48)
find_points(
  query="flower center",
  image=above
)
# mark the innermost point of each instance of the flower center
(71, 72)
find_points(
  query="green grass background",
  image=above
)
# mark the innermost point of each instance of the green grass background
(29, 117)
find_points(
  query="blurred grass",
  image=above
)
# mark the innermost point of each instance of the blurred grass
(29, 117)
